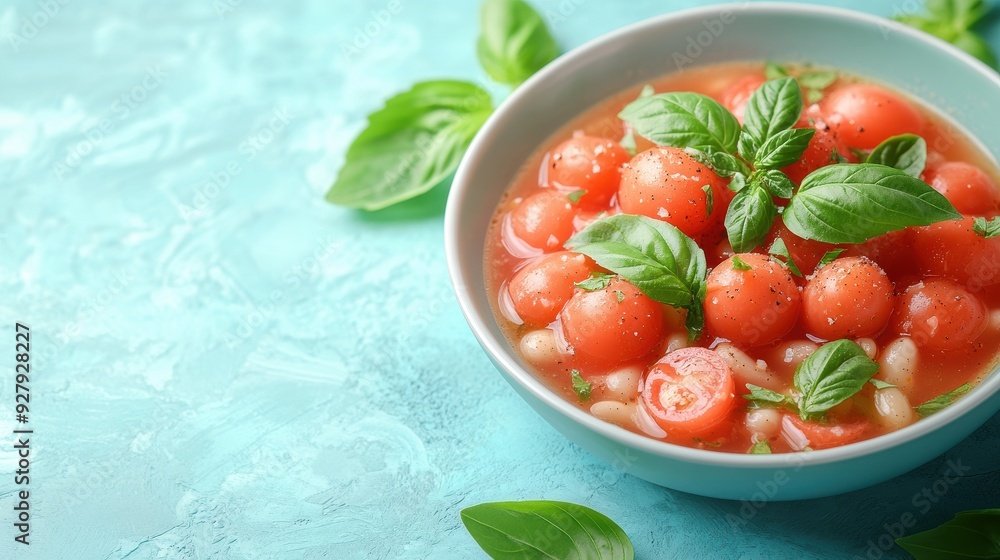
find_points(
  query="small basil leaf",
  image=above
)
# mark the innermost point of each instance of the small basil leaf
(749, 219)
(628, 141)
(709, 199)
(760, 397)
(514, 42)
(597, 281)
(975, 45)
(545, 530)
(777, 183)
(817, 79)
(780, 250)
(740, 264)
(830, 376)
(738, 182)
(683, 120)
(814, 96)
(907, 153)
(829, 257)
(576, 195)
(762, 447)
(581, 386)
(970, 534)
(939, 403)
(879, 384)
(773, 108)
(652, 255)
(961, 14)
(411, 145)
(852, 203)
(784, 148)
(773, 71)
(723, 164)
(987, 229)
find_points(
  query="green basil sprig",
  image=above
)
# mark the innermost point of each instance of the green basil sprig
(814, 81)
(417, 140)
(773, 109)
(986, 228)
(515, 43)
(545, 530)
(581, 386)
(683, 120)
(940, 402)
(952, 21)
(654, 256)
(907, 153)
(852, 203)
(751, 213)
(970, 534)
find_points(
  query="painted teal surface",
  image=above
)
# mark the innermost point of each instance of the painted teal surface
(224, 366)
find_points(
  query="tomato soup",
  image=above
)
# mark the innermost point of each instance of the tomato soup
(753, 258)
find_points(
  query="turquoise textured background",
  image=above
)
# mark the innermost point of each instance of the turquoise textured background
(224, 366)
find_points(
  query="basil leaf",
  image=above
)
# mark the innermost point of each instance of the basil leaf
(723, 164)
(411, 145)
(939, 403)
(654, 256)
(739, 264)
(749, 219)
(597, 281)
(760, 448)
(970, 534)
(760, 397)
(987, 229)
(776, 183)
(907, 153)
(784, 148)
(536, 530)
(514, 42)
(581, 386)
(628, 141)
(576, 195)
(852, 203)
(829, 257)
(709, 199)
(974, 44)
(817, 79)
(773, 108)
(879, 384)
(961, 14)
(683, 120)
(830, 376)
(773, 71)
(780, 250)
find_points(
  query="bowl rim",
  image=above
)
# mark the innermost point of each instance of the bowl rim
(516, 373)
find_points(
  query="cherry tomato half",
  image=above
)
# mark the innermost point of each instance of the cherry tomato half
(689, 391)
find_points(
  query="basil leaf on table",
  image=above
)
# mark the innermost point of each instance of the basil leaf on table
(783, 148)
(830, 376)
(683, 120)
(545, 530)
(514, 42)
(970, 534)
(988, 229)
(975, 45)
(852, 203)
(652, 255)
(775, 107)
(907, 153)
(749, 219)
(952, 21)
(412, 144)
(940, 402)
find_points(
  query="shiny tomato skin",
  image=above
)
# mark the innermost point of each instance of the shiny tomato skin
(753, 307)
(588, 163)
(544, 220)
(736, 96)
(849, 298)
(953, 250)
(940, 314)
(669, 185)
(541, 289)
(613, 325)
(865, 115)
(969, 189)
(689, 391)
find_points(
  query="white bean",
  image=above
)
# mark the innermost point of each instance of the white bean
(764, 422)
(898, 363)
(676, 342)
(623, 384)
(795, 352)
(746, 370)
(869, 346)
(615, 412)
(539, 347)
(894, 410)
